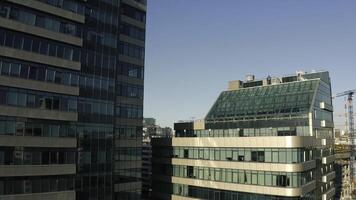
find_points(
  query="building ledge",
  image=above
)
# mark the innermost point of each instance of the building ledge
(37, 5)
(37, 113)
(267, 190)
(38, 85)
(240, 142)
(328, 159)
(328, 177)
(258, 166)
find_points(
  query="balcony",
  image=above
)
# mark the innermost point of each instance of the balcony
(326, 106)
(328, 159)
(329, 194)
(328, 177)
(324, 123)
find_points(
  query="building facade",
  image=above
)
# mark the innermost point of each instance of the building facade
(150, 130)
(262, 139)
(146, 168)
(71, 98)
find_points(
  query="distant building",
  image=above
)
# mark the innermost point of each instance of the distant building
(262, 139)
(150, 130)
(146, 168)
(342, 170)
(149, 121)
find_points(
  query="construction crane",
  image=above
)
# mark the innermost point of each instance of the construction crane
(350, 125)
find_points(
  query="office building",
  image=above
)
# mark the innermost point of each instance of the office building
(71, 98)
(150, 130)
(343, 184)
(263, 139)
(146, 168)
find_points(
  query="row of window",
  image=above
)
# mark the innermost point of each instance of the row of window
(130, 90)
(133, 12)
(94, 157)
(248, 177)
(37, 72)
(36, 19)
(36, 99)
(127, 175)
(36, 156)
(129, 111)
(128, 154)
(104, 108)
(272, 155)
(37, 45)
(216, 194)
(106, 39)
(131, 70)
(132, 50)
(246, 132)
(128, 132)
(103, 16)
(33, 127)
(132, 31)
(51, 101)
(36, 184)
(99, 62)
(70, 5)
(29, 128)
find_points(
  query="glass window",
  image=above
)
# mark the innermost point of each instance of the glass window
(31, 100)
(36, 46)
(15, 69)
(44, 48)
(24, 71)
(11, 98)
(21, 99)
(248, 177)
(9, 40)
(289, 155)
(261, 178)
(17, 42)
(282, 155)
(33, 73)
(5, 69)
(268, 155)
(27, 43)
(50, 75)
(275, 155)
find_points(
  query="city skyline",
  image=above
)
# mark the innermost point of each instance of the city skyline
(198, 52)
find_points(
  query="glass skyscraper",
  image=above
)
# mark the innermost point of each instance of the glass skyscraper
(263, 139)
(71, 98)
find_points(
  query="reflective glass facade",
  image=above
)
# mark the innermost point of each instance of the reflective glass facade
(71, 83)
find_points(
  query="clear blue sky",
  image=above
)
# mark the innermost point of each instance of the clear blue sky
(194, 47)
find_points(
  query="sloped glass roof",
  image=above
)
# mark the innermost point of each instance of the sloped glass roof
(286, 98)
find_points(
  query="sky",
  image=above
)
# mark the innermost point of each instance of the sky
(194, 47)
